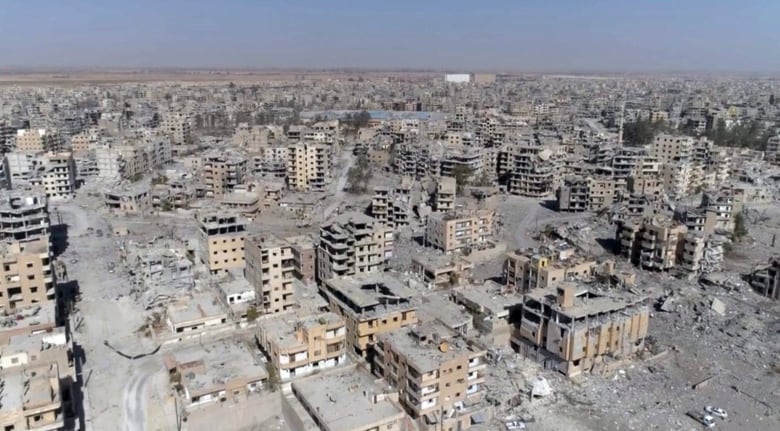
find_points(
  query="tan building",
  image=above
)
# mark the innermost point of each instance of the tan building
(270, 268)
(345, 399)
(459, 231)
(308, 166)
(572, 328)
(35, 141)
(668, 148)
(353, 243)
(444, 199)
(589, 194)
(214, 374)
(26, 276)
(222, 240)
(652, 243)
(178, 127)
(437, 374)
(32, 399)
(545, 267)
(58, 179)
(442, 271)
(371, 304)
(299, 346)
(223, 172)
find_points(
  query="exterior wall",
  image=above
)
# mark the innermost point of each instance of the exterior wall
(270, 269)
(451, 233)
(26, 276)
(222, 239)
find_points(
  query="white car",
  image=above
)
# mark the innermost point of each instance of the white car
(716, 411)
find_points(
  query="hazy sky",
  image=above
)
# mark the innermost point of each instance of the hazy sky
(737, 35)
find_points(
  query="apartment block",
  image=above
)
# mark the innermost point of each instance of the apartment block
(668, 148)
(300, 346)
(24, 215)
(26, 276)
(19, 168)
(573, 328)
(58, 179)
(525, 270)
(390, 206)
(344, 399)
(459, 231)
(270, 268)
(36, 141)
(589, 194)
(439, 376)
(178, 127)
(32, 399)
(222, 240)
(444, 199)
(353, 243)
(223, 172)
(371, 304)
(652, 243)
(215, 374)
(309, 166)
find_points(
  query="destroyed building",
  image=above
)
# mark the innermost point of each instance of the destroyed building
(221, 240)
(572, 328)
(352, 243)
(459, 231)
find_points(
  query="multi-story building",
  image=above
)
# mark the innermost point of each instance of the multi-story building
(178, 127)
(589, 194)
(345, 399)
(270, 269)
(530, 170)
(32, 399)
(545, 267)
(444, 199)
(437, 374)
(353, 243)
(110, 163)
(308, 166)
(19, 168)
(58, 179)
(26, 276)
(390, 207)
(37, 141)
(459, 231)
(652, 243)
(573, 328)
(223, 172)
(24, 215)
(773, 149)
(766, 279)
(300, 346)
(667, 148)
(371, 304)
(221, 240)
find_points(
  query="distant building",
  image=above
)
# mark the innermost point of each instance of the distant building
(457, 78)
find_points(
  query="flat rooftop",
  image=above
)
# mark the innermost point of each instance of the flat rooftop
(370, 289)
(491, 297)
(438, 307)
(421, 348)
(586, 301)
(195, 308)
(282, 329)
(223, 361)
(343, 399)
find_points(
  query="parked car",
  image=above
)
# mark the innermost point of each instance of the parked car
(716, 411)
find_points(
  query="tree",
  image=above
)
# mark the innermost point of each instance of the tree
(462, 175)
(740, 230)
(642, 132)
(252, 314)
(359, 175)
